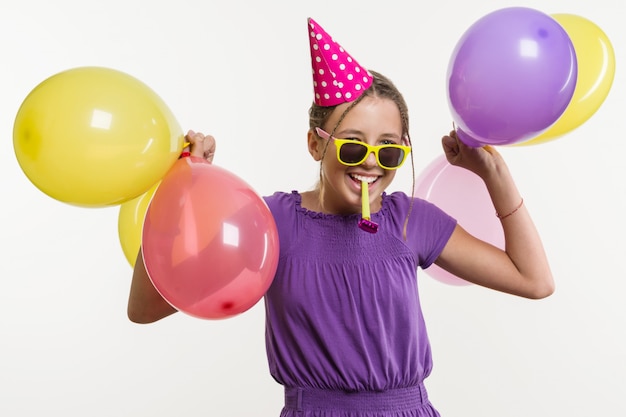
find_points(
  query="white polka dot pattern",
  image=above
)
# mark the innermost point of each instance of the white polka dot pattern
(337, 77)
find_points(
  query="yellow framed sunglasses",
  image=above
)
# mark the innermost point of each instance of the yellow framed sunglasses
(352, 152)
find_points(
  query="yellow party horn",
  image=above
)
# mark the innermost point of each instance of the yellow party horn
(365, 223)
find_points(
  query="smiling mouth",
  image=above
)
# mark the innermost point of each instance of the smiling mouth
(363, 178)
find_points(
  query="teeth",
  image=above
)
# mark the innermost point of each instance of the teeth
(368, 180)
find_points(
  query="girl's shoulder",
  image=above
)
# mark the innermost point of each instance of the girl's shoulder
(279, 197)
(283, 204)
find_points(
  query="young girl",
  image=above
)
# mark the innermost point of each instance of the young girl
(345, 333)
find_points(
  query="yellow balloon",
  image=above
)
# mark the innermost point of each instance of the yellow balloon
(95, 137)
(596, 70)
(130, 223)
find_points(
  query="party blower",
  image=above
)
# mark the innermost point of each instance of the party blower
(365, 223)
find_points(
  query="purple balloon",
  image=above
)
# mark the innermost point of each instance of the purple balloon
(511, 76)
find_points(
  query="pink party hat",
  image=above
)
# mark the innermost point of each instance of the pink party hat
(337, 77)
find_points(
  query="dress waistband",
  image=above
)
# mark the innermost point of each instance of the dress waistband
(397, 399)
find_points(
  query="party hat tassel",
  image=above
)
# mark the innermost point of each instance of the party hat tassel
(365, 223)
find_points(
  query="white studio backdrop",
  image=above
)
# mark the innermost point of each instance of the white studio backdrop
(240, 70)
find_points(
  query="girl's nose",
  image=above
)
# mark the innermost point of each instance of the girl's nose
(370, 160)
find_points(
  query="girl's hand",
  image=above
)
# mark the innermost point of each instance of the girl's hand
(200, 145)
(482, 161)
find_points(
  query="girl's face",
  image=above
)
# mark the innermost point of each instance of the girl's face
(374, 121)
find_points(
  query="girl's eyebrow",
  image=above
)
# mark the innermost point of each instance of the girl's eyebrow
(348, 132)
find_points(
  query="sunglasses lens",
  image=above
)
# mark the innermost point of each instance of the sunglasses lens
(352, 153)
(390, 157)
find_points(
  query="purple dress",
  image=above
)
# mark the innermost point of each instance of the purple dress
(345, 333)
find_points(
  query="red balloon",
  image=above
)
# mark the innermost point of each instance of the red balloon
(464, 196)
(209, 243)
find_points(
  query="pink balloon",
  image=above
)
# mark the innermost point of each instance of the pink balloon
(464, 196)
(209, 243)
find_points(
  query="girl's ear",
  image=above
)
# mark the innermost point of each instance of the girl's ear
(316, 145)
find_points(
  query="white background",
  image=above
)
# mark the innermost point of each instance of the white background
(240, 70)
